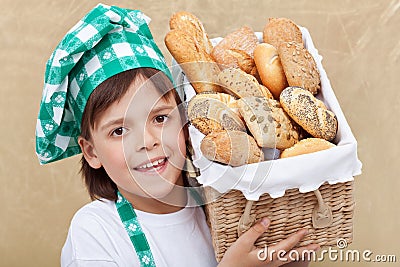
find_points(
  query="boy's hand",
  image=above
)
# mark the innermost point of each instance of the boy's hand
(243, 252)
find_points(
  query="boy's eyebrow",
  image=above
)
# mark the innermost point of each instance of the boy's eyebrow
(118, 121)
(162, 107)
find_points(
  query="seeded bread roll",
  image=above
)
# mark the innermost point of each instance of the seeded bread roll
(236, 50)
(189, 23)
(270, 126)
(200, 68)
(209, 114)
(306, 146)
(241, 84)
(309, 112)
(229, 100)
(299, 67)
(234, 148)
(281, 30)
(270, 68)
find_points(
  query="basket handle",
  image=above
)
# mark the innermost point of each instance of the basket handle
(322, 213)
(246, 220)
(321, 217)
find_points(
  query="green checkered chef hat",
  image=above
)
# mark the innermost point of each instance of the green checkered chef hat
(107, 41)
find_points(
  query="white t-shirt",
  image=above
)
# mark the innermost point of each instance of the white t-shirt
(98, 238)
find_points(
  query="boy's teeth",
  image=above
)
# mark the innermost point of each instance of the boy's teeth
(152, 164)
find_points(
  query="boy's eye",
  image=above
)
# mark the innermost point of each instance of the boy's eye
(161, 118)
(119, 131)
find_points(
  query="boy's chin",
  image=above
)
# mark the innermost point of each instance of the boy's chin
(166, 193)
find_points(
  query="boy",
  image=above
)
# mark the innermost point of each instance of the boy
(109, 95)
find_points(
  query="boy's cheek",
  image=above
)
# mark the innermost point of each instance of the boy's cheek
(176, 140)
(114, 159)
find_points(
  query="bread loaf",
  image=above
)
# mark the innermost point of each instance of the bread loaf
(227, 99)
(209, 114)
(200, 68)
(281, 30)
(299, 67)
(270, 68)
(187, 22)
(309, 112)
(234, 148)
(306, 146)
(236, 50)
(240, 84)
(270, 126)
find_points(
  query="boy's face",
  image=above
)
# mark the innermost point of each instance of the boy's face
(140, 142)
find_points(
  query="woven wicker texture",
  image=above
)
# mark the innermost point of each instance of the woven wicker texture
(288, 214)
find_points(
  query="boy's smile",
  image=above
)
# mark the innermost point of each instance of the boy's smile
(153, 166)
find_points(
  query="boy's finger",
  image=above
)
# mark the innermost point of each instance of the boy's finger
(251, 235)
(291, 241)
(306, 253)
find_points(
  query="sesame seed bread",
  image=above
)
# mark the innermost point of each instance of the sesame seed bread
(240, 84)
(299, 67)
(309, 112)
(209, 114)
(306, 146)
(234, 148)
(269, 125)
(281, 30)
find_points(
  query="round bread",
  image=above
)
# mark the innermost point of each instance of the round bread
(299, 66)
(236, 50)
(281, 30)
(240, 84)
(306, 146)
(234, 148)
(309, 112)
(270, 68)
(209, 114)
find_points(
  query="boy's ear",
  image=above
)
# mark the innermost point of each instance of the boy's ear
(89, 152)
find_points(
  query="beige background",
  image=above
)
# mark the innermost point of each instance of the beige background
(359, 41)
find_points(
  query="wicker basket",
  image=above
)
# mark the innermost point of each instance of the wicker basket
(326, 176)
(288, 214)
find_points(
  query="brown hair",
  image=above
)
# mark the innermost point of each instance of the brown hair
(98, 183)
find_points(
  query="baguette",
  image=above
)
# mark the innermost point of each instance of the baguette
(187, 22)
(200, 68)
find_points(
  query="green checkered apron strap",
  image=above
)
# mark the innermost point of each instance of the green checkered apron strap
(134, 230)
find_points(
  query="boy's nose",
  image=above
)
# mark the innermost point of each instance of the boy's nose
(148, 140)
